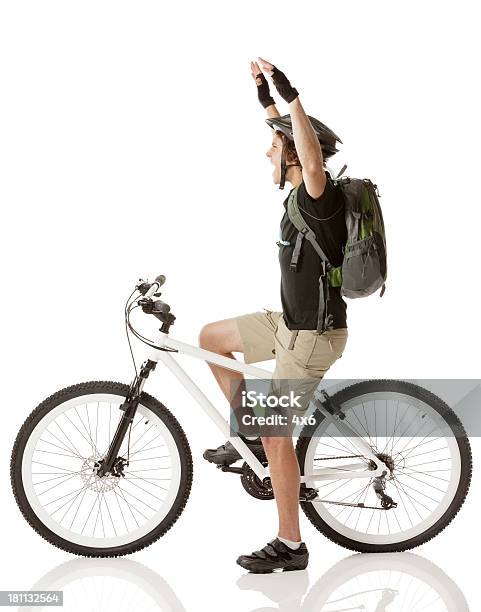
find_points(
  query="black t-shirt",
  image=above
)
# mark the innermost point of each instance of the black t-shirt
(300, 289)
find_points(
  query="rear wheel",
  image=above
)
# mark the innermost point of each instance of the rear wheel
(426, 450)
(54, 471)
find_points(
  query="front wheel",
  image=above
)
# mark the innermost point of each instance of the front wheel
(54, 471)
(428, 458)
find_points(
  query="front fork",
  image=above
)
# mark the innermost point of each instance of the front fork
(129, 407)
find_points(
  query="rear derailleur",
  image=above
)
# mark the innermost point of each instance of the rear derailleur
(379, 485)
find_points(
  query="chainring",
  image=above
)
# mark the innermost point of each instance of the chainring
(254, 486)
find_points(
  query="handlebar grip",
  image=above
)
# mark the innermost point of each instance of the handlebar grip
(160, 279)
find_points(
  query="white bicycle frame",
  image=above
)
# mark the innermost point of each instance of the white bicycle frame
(345, 471)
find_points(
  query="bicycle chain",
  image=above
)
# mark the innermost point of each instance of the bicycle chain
(340, 457)
(358, 505)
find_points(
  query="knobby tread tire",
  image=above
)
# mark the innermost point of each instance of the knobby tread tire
(450, 417)
(79, 390)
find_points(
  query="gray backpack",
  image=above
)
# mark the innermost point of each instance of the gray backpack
(364, 267)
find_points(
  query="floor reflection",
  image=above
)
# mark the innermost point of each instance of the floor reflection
(392, 582)
(101, 585)
(396, 582)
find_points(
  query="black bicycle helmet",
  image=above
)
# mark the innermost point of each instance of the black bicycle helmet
(327, 139)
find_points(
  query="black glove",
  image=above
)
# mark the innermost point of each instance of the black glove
(263, 92)
(283, 86)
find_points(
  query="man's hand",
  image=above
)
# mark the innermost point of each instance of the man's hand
(263, 91)
(281, 82)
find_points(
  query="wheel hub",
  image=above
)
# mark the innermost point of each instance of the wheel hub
(91, 479)
(388, 462)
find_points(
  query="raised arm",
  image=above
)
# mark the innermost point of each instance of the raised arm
(263, 92)
(308, 150)
(307, 144)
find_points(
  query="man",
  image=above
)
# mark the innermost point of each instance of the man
(304, 346)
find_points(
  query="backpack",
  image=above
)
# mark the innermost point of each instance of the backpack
(364, 267)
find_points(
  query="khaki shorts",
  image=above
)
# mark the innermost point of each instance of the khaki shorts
(298, 353)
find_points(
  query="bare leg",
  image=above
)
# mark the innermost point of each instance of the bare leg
(223, 337)
(285, 478)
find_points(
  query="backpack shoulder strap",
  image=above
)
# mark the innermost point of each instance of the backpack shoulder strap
(304, 230)
(324, 319)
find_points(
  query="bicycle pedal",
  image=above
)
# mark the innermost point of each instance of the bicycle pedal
(307, 494)
(228, 468)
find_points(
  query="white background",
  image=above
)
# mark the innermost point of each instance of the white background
(132, 144)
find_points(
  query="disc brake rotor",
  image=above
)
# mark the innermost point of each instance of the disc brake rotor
(94, 482)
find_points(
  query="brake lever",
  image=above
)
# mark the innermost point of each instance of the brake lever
(143, 286)
(146, 304)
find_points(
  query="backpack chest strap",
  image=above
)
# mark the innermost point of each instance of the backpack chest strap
(296, 252)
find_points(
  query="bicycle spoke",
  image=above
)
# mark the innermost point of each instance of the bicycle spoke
(77, 452)
(411, 471)
(58, 484)
(417, 490)
(80, 432)
(88, 515)
(130, 505)
(360, 511)
(145, 490)
(147, 447)
(411, 498)
(149, 480)
(393, 482)
(363, 491)
(132, 447)
(110, 515)
(87, 431)
(403, 450)
(85, 489)
(427, 452)
(53, 466)
(413, 448)
(50, 479)
(423, 482)
(73, 454)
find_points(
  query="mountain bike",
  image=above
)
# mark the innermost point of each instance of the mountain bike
(104, 469)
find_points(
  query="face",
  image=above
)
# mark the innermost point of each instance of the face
(274, 154)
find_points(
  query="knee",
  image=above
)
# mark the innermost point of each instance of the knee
(208, 338)
(274, 446)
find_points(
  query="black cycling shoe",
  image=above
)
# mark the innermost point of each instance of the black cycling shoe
(226, 454)
(275, 556)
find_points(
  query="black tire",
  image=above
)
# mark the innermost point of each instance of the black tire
(77, 391)
(451, 419)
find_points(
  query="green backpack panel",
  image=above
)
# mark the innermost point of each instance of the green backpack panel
(364, 268)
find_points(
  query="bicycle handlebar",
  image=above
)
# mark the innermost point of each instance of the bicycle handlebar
(159, 309)
(149, 289)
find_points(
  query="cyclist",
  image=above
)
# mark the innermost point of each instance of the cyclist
(299, 149)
